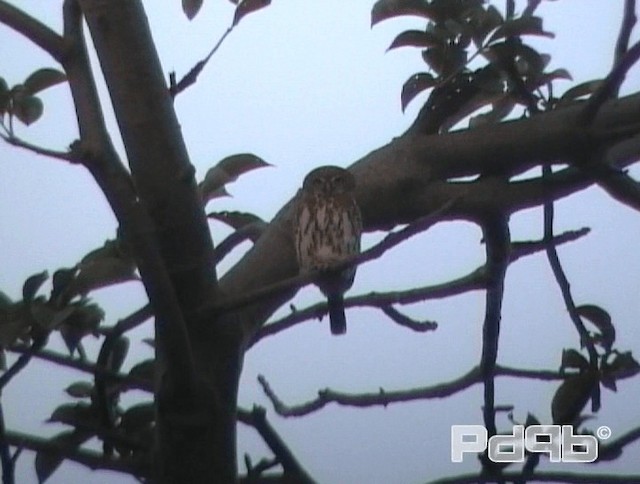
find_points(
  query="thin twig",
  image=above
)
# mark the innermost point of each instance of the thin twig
(384, 398)
(610, 86)
(257, 419)
(8, 464)
(626, 28)
(59, 155)
(192, 76)
(22, 361)
(563, 283)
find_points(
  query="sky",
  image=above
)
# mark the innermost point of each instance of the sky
(303, 84)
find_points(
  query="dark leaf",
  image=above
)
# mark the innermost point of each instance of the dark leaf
(531, 420)
(483, 22)
(236, 220)
(48, 317)
(80, 389)
(43, 79)
(83, 321)
(46, 463)
(144, 370)
(574, 360)
(138, 417)
(226, 171)
(571, 397)
(414, 38)
(32, 285)
(191, 8)
(415, 85)
(386, 9)
(13, 324)
(601, 320)
(581, 90)
(27, 109)
(520, 26)
(623, 365)
(75, 414)
(61, 282)
(101, 273)
(246, 7)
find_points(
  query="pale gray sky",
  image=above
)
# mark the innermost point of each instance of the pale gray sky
(303, 84)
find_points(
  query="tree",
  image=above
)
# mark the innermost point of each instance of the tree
(479, 64)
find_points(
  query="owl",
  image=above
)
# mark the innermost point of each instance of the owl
(327, 231)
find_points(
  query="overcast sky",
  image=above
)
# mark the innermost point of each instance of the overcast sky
(304, 84)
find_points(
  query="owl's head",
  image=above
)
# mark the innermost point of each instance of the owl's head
(329, 180)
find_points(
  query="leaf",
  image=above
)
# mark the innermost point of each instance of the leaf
(386, 9)
(27, 108)
(581, 90)
(236, 220)
(226, 171)
(573, 359)
(246, 7)
(623, 365)
(99, 273)
(415, 85)
(601, 320)
(572, 396)
(76, 414)
(483, 22)
(13, 324)
(49, 317)
(80, 389)
(414, 38)
(43, 79)
(144, 370)
(138, 417)
(118, 353)
(46, 463)
(32, 285)
(83, 321)
(191, 8)
(520, 26)
(61, 282)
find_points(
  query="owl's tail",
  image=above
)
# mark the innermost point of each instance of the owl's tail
(337, 318)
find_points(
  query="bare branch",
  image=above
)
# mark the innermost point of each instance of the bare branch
(626, 28)
(90, 459)
(610, 86)
(256, 418)
(32, 29)
(59, 155)
(405, 321)
(8, 464)
(21, 362)
(474, 280)
(384, 398)
(497, 238)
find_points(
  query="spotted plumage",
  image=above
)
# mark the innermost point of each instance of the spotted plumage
(327, 230)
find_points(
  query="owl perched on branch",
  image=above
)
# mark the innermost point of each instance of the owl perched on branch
(327, 231)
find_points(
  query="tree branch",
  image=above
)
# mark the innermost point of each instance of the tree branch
(32, 29)
(626, 28)
(384, 398)
(474, 280)
(59, 155)
(90, 459)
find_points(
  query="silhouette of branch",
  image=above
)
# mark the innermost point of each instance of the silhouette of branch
(384, 398)
(403, 320)
(563, 283)
(391, 240)
(58, 155)
(626, 28)
(610, 86)
(256, 418)
(473, 281)
(8, 464)
(612, 449)
(22, 361)
(92, 460)
(32, 29)
(191, 77)
(83, 366)
(250, 231)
